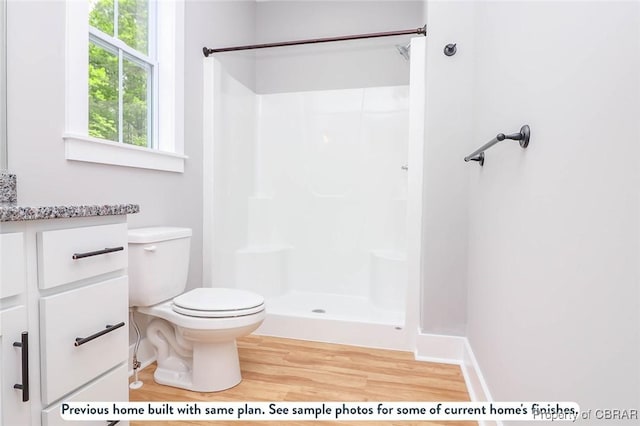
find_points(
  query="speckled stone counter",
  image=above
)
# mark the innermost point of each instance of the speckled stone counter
(8, 188)
(10, 213)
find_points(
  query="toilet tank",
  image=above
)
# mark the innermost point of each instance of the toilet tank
(158, 264)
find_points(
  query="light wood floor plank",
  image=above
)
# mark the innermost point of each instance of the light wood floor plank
(276, 369)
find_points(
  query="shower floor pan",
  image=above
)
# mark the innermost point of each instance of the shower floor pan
(333, 318)
(332, 306)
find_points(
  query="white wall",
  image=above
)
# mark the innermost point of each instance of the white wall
(448, 126)
(3, 97)
(553, 238)
(361, 63)
(222, 23)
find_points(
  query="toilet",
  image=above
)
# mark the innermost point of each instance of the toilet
(194, 333)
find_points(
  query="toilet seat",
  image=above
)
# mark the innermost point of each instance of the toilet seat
(218, 303)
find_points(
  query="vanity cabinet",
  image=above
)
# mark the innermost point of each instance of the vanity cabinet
(69, 291)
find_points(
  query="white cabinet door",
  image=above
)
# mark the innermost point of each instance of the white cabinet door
(12, 265)
(13, 410)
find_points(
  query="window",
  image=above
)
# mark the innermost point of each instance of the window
(121, 71)
(125, 83)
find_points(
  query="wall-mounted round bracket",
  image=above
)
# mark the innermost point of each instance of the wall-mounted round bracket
(525, 133)
(450, 49)
(522, 136)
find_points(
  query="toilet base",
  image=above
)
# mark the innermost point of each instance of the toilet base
(215, 367)
(197, 354)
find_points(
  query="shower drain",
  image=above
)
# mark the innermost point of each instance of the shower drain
(318, 311)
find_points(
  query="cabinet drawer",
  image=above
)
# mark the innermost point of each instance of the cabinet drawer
(110, 387)
(76, 314)
(91, 245)
(12, 264)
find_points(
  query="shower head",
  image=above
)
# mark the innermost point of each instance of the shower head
(404, 50)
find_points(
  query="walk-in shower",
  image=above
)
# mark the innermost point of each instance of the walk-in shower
(313, 199)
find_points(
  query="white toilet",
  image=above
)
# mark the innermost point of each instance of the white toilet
(194, 333)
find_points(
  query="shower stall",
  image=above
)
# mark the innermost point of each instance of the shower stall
(313, 199)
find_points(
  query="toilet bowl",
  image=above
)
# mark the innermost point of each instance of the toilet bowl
(194, 333)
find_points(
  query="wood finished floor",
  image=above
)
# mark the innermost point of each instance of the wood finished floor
(276, 369)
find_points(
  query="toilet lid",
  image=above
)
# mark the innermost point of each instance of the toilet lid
(218, 303)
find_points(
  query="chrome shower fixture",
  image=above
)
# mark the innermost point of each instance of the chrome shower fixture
(404, 50)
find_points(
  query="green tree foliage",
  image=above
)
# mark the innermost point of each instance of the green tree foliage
(133, 24)
(104, 73)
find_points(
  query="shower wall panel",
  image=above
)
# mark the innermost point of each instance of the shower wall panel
(331, 165)
(232, 174)
(309, 191)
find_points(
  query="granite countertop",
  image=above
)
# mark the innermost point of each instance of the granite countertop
(10, 212)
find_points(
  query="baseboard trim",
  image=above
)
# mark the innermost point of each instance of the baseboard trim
(146, 355)
(456, 350)
(439, 348)
(475, 379)
(478, 388)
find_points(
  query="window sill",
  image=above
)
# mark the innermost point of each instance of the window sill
(94, 150)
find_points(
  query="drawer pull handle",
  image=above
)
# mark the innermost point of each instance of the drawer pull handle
(24, 345)
(77, 256)
(150, 248)
(113, 422)
(82, 340)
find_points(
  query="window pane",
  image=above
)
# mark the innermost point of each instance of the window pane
(103, 93)
(133, 24)
(101, 15)
(136, 85)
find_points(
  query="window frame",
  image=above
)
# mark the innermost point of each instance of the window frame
(167, 151)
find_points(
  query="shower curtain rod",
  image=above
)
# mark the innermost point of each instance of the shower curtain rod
(421, 31)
